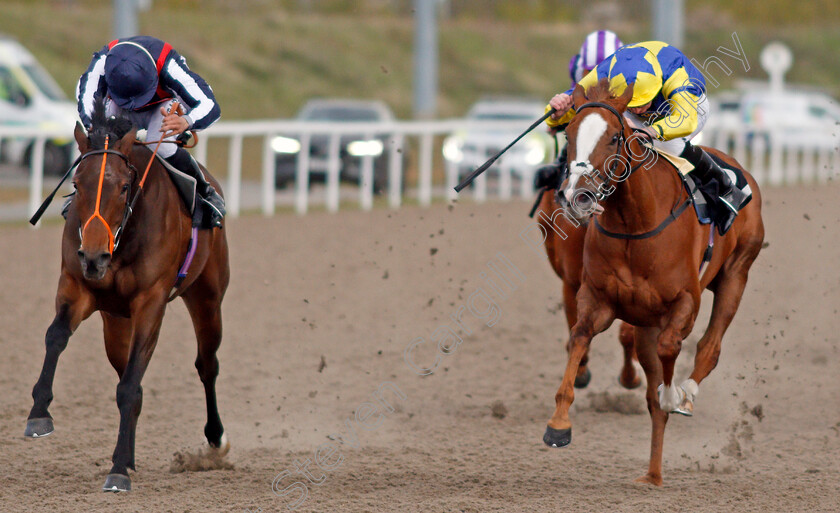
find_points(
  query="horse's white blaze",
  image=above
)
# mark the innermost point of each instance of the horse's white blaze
(591, 130)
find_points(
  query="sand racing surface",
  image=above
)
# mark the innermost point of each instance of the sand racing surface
(318, 317)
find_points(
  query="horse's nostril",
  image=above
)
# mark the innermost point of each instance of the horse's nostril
(81, 254)
(103, 259)
(583, 200)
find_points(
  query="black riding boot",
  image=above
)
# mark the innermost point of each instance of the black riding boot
(552, 175)
(707, 169)
(211, 203)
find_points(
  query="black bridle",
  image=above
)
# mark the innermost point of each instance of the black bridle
(676, 210)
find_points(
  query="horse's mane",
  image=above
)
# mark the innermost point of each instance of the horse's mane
(114, 127)
(600, 92)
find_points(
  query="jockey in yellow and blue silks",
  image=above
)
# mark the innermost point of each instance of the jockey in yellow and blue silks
(597, 46)
(669, 103)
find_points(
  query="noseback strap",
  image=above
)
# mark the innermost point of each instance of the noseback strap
(96, 214)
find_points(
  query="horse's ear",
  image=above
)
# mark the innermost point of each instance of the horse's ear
(127, 141)
(81, 138)
(578, 96)
(625, 98)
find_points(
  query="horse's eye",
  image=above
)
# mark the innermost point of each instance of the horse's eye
(124, 189)
(614, 139)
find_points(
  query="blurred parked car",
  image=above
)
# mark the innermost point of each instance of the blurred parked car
(30, 97)
(470, 148)
(799, 118)
(352, 147)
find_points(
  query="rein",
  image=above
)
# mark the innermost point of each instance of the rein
(676, 210)
(129, 208)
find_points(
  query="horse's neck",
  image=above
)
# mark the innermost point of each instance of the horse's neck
(643, 200)
(158, 206)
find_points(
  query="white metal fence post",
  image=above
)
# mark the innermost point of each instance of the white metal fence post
(268, 177)
(36, 175)
(366, 179)
(332, 174)
(424, 194)
(234, 181)
(302, 175)
(396, 152)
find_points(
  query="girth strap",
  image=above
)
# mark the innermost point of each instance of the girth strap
(675, 213)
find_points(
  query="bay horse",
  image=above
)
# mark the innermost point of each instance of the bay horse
(124, 263)
(642, 263)
(564, 237)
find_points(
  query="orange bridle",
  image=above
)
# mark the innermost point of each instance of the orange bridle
(96, 214)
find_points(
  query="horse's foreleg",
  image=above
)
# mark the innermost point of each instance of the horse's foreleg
(593, 318)
(678, 326)
(583, 375)
(147, 311)
(628, 378)
(206, 315)
(119, 332)
(73, 305)
(646, 350)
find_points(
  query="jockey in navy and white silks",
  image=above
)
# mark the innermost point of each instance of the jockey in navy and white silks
(141, 77)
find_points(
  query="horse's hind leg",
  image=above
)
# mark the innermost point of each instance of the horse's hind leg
(646, 349)
(205, 310)
(628, 378)
(728, 288)
(73, 305)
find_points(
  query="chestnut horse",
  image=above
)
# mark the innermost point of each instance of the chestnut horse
(641, 264)
(564, 237)
(124, 263)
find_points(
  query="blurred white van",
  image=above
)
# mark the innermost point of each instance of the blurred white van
(30, 97)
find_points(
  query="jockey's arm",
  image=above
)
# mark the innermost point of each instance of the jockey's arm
(682, 120)
(202, 110)
(682, 102)
(564, 116)
(90, 85)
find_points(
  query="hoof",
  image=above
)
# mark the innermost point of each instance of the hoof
(583, 380)
(630, 378)
(689, 392)
(223, 448)
(557, 437)
(650, 480)
(670, 399)
(117, 483)
(38, 428)
(686, 407)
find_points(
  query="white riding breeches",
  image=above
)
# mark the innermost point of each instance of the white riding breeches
(150, 120)
(676, 146)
